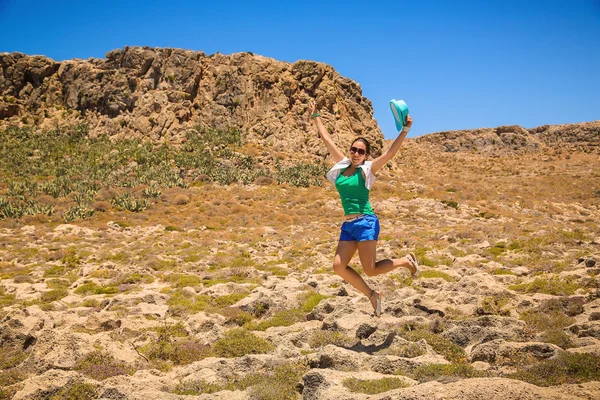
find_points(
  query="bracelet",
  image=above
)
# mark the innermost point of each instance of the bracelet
(405, 129)
(315, 115)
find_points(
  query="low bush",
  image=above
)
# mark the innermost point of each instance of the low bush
(440, 344)
(443, 372)
(239, 342)
(281, 318)
(567, 368)
(279, 384)
(100, 365)
(374, 386)
(436, 274)
(554, 286)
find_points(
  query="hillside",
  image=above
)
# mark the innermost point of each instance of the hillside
(199, 262)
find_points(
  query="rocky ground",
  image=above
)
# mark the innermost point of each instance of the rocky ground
(227, 292)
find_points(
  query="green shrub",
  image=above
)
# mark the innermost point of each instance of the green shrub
(6, 299)
(543, 320)
(172, 345)
(54, 295)
(436, 274)
(93, 288)
(100, 365)
(502, 271)
(440, 344)
(239, 342)
(495, 305)
(281, 318)
(445, 372)
(322, 338)
(374, 386)
(229, 299)
(554, 286)
(567, 368)
(278, 384)
(181, 303)
(182, 280)
(11, 356)
(310, 300)
(76, 390)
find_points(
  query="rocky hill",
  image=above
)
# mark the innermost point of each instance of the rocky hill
(162, 93)
(511, 139)
(196, 270)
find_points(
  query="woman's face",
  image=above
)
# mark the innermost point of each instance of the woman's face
(358, 152)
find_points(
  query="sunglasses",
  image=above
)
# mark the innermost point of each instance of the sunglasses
(361, 152)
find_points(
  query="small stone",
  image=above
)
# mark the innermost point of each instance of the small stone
(365, 330)
(590, 263)
(595, 316)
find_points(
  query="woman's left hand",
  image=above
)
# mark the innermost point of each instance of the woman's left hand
(409, 122)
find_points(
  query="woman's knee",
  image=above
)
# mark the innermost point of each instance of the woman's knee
(369, 269)
(338, 268)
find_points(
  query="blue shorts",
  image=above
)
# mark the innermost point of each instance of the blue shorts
(361, 229)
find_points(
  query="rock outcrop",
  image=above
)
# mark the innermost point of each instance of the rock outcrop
(160, 93)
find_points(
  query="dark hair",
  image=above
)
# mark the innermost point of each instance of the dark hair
(365, 141)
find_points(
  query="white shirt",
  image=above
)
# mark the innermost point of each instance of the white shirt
(336, 170)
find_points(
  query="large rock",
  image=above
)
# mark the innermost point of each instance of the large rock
(160, 93)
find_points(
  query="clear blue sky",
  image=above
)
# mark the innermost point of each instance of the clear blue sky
(458, 64)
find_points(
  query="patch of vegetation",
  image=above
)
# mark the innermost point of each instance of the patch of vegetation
(322, 338)
(53, 295)
(66, 161)
(544, 320)
(553, 285)
(182, 280)
(239, 342)
(444, 372)
(502, 271)
(409, 350)
(567, 368)
(11, 356)
(310, 300)
(278, 384)
(450, 203)
(374, 386)
(172, 345)
(181, 303)
(235, 316)
(281, 318)
(440, 344)
(100, 365)
(431, 273)
(135, 278)
(90, 288)
(494, 305)
(229, 299)
(6, 299)
(76, 390)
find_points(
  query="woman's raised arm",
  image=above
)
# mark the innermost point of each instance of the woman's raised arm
(336, 154)
(380, 161)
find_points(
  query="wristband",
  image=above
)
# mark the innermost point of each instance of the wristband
(315, 115)
(405, 129)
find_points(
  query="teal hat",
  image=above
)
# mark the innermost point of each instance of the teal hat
(400, 111)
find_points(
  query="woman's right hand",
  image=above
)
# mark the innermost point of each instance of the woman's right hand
(313, 107)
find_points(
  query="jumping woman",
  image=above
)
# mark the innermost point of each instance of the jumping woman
(353, 177)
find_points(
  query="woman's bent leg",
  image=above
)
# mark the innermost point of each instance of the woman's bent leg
(343, 255)
(366, 253)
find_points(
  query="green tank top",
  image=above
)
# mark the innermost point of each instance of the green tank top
(354, 193)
